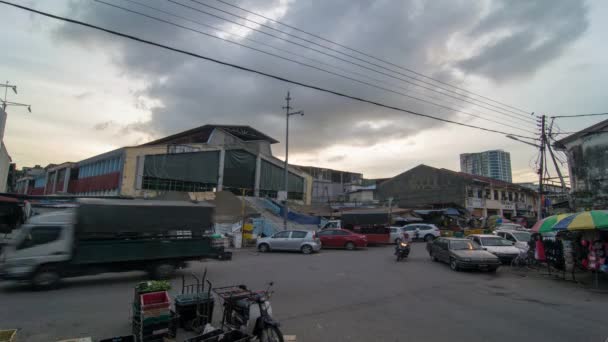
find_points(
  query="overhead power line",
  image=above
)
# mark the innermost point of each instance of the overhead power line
(578, 115)
(368, 55)
(294, 61)
(498, 110)
(235, 66)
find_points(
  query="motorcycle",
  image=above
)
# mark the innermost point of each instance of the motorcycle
(249, 312)
(402, 250)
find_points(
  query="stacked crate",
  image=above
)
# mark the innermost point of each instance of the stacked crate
(152, 316)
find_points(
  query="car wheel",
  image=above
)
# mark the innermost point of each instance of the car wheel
(397, 241)
(264, 248)
(350, 246)
(306, 249)
(429, 238)
(453, 265)
(45, 278)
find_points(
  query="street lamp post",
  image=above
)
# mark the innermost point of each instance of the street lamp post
(287, 115)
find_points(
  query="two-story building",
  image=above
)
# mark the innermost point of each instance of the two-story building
(425, 186)
(206, 158)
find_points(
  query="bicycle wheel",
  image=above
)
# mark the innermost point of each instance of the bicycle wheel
(271, 334)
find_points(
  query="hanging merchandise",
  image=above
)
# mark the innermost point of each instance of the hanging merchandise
(568, 252)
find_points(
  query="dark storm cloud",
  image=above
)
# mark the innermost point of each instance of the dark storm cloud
(540, 31)
(194, 92)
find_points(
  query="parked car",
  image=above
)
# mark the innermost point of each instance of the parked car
(399, 234)
(462, 254)
(425, 231)
(511, 226)
(342, 238)
(496, 245)
(519, 238)
(290, 240)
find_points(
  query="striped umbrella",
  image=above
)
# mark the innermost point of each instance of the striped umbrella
(546, 225)
(594, 219)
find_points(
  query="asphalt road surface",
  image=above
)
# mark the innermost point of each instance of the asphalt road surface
(338, 295)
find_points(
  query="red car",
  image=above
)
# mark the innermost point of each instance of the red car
(341, 238)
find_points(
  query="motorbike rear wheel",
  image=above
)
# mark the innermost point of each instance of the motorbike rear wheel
(271, 334)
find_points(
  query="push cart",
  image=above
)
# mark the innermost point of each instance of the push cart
(194, 305)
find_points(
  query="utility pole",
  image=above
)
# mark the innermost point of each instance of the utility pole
(287, 115)
(541, 169)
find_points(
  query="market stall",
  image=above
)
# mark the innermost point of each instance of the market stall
(580, 243)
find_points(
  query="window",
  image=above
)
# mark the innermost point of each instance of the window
(281, 235)
(410, 228)
(331, 225)
(510, 196)
(469, 193)
(394, 230)
(496, 194)
(298, 235)
(325, 233)
(479, 193)
(39, 236)
(510, 237)
(340, 233)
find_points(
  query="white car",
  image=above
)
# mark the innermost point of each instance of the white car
(425, 231)
(519, 238)
(398, 234)
(501, 247)
(511, 226)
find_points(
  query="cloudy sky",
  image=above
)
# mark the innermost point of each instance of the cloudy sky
(92, 92)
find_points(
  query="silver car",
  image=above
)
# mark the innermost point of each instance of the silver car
(290, 240)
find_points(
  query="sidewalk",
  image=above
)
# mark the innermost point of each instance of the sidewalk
(583, 279)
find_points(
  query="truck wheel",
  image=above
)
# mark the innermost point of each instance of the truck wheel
(350, 246)
(46, 277)
(163, 271)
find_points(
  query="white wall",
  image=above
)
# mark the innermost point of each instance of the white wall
(5, 162)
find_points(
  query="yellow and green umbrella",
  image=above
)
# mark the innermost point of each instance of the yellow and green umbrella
(594, 219)
(546, 225)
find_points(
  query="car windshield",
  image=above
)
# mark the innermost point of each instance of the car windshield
(463, 244)
(522, 236)
(495, 241)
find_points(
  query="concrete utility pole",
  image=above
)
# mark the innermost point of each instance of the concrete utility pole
(287, 115)
(541, 169)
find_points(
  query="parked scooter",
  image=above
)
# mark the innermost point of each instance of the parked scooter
(249, 312)
(402, 250)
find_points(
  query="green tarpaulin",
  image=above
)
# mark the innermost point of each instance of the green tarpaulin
(199, 167)
(239, 169)
(273, 178)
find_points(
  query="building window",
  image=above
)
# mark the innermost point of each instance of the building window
(510, 196)
(496, 195)
(479, 193)
(152, 183)
(469, 192)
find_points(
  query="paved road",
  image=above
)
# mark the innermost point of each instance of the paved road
(340, 296)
